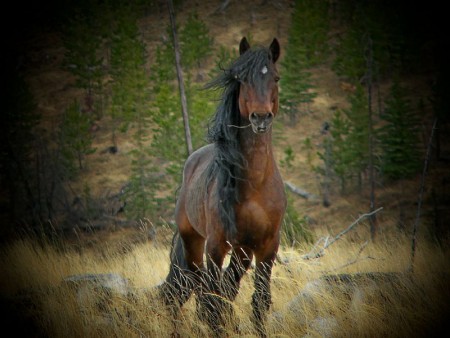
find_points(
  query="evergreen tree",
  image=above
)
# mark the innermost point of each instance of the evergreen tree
(195, 42)
(130, 82)
(83, 39)
(307, 46)
(340, 150)
(399, 136)
(168, 142)
(223, 58)
(75, 138)
(349, 61)
(131, 110)
(309, 29)
(385, 27)
(350, 139)
(295, 85)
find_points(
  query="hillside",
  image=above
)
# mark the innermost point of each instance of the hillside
(105, 173)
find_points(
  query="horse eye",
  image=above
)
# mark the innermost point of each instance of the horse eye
(277, 78)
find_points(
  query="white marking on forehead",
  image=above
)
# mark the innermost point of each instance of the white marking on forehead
(264, 70)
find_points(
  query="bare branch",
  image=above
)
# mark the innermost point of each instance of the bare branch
(354, 260)
(312, 254)
(300, 191)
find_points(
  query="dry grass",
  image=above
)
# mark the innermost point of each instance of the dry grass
(373, 297)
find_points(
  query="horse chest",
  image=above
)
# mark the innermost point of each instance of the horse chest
(257, 219)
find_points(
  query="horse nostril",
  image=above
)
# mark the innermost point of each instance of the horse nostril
(269, 115)
(253, 116)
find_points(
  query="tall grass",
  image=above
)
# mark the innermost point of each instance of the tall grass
(374, 296)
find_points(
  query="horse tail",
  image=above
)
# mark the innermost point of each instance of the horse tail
(177, 287)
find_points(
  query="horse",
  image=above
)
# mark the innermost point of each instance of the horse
(232, 196)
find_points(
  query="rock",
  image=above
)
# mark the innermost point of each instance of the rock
(110, 282)
(352, 290)
(95, 294)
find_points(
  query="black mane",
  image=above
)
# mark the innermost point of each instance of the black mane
(229, 162)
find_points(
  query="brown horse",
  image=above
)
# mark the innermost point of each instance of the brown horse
(232, 196)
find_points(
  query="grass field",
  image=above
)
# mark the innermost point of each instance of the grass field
(352, 291)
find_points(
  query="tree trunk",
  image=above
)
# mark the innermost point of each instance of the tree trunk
(373, 217)
(184, 110)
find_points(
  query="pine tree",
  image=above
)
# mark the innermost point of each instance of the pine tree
(307, 46)
(168, 141)
(75, 138)
(386, 29)
(310, 26)
(350, 139)
(295, 85)
(195, 42)
(83, 39)
(131, 111)
(399, 136)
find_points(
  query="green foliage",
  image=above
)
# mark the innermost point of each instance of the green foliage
(195, 42)
(399, 136)
(295, 228)
(201, 105)
(130, 85)
(350, 62)
(350, 139)
(168, 142)
(309, 30)
(75, 139)
(288, 158)
(140, 194)
(83, 38)
(308, 148)
(295, 84)
(131, 105)
(307, 46)
(383, 26)
(224, 57)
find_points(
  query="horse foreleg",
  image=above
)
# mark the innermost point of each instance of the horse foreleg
(211, 303)
(240, 261)
(262, 298)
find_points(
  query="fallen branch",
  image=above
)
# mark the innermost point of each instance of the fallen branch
(354, 260)
(312, 254)
(300, 191)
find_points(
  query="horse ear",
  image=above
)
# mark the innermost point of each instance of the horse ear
(243, 46)
(275, 50)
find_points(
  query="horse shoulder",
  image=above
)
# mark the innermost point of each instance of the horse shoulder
(198, 160)
(193, 191)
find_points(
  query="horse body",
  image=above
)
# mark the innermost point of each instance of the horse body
(232, 197)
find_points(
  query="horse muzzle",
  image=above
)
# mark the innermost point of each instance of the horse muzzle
(261, 122)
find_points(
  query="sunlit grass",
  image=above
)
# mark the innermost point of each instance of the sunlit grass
(395, 304)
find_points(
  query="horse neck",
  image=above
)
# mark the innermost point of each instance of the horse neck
(257, 151)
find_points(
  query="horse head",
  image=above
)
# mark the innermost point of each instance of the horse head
(258, 93)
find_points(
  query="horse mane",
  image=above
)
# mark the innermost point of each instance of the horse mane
(229, 162)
